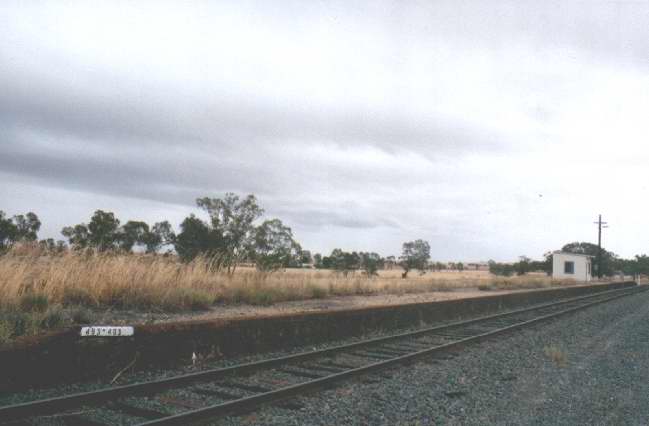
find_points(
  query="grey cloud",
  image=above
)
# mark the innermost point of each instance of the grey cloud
(76, 122)
(226, 123)
(318, 219)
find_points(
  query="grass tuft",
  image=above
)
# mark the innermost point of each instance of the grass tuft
(81, 315)
(33, 302)
(557, 355)
(51, 319)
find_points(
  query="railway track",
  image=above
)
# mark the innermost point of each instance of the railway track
(209, 394)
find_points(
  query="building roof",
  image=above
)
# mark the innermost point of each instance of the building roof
(571, 254)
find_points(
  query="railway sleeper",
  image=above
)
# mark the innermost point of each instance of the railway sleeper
(299, 373)
(226, 396)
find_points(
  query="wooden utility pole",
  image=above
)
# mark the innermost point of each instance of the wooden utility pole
(600, 225)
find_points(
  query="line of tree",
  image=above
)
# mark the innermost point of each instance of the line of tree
(347, 263)
(235, 233)
(415, 255)
(230, 237)
(104, 233)
(522, 267)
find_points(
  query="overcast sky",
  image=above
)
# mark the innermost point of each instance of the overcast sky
(491, 129)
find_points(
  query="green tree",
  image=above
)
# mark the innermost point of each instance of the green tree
(603, 262)
(415, 255)
(233, 219)
(19, 228)
(198, 238)
(27, 227)
(273, 246)
(343, 262)
(160, 235)
(327, 262)
(78, 235)
(502, 269)
(317, 260)
(102, 233)
(132, 232)
(8, 231)
(522, 267)
(370, 263)
(544, 265)
(642, 264)
(306, 258)
(103, 230)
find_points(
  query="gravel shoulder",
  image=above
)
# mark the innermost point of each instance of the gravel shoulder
(335, 303)
(591, 367)
(328, 304)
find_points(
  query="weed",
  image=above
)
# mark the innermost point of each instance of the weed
(263, 297)
(316, 292)
(52, 318)
(77, 296)
(187, 300)
(6, 331)
(19, 322)
(557, 355)
(81, 315)
(33, 302)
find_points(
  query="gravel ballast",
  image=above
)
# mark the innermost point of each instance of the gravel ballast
(590, 367)
(561, 372)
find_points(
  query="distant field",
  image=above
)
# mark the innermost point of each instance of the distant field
(41, 291)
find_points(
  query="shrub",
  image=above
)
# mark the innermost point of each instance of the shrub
(52, 318)
(6, 331)
(502, 269)
(263, 297)
(316, 292)
(17, 323)
(33, 302)
(77, 296)
(82, 315)
(557, 355)
(187, 299)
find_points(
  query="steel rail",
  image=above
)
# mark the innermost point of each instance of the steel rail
(58, 404)
(248, 403)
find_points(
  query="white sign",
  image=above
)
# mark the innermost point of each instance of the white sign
(106, 331)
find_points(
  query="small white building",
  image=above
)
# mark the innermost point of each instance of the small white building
(579, 267)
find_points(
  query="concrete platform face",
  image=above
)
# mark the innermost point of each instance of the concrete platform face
(67, 356)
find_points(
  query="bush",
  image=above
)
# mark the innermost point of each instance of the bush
(52, 318)
(82, 315)
(16, 323)
(187, 299)
(502, 269)
(262, 297)
(77, 296)
(6, 331)
(316, 292)
(33, 302)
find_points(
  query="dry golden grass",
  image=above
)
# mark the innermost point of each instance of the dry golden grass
(159, 282)
(42, 291)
